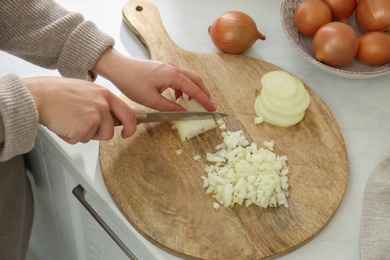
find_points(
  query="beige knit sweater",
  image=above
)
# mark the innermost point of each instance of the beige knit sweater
(43, 33)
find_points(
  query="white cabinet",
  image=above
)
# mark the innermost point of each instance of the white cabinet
(63, 229)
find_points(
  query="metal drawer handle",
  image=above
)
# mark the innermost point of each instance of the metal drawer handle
(79, 193)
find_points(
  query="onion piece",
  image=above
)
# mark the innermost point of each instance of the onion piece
(249, 174)
(302, 103)
(190, 129)
(283, 99)
(279, 84)
(276, 119)
(216, 205)
(196, 157)
(259, 120)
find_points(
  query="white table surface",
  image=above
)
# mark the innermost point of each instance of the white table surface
(361, 108)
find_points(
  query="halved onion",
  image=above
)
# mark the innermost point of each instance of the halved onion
(190, 129)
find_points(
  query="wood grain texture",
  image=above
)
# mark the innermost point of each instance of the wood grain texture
(160, 193)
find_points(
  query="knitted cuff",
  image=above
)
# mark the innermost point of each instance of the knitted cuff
(82, 50)
(19, 118)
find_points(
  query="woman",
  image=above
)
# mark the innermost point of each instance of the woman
(44, 33)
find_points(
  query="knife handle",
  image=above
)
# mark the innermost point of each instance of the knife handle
(138, 115)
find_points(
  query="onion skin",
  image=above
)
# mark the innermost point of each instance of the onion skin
(310, 15)
(335, 44)
(234, 32)
(374, 48)
(373, 15)
(341, 9)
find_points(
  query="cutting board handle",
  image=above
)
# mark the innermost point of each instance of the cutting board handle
(144, 20)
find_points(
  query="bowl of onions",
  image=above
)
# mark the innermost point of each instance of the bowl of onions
(346, 38)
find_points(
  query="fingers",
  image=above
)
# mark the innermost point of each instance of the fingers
(143, 81)
(161, 103)
(89, 107)
(118, 108)
(124, 113)
(96, 127)
(194, 89)
(184, 81)
(104, 130)
(197, 80)
(77, 110)
(99, 124)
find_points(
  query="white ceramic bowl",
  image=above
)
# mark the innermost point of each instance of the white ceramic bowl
(303, 44)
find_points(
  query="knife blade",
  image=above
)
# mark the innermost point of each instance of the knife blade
(147, 117)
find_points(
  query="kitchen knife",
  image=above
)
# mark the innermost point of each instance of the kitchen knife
(147, 117)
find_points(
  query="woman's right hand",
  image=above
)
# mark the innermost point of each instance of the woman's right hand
(78, 110)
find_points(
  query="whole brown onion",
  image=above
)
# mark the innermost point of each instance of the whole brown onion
(374, 48)
(373, 15)
(335, 44)
(234, 32)
(341, 9)
(310, 15)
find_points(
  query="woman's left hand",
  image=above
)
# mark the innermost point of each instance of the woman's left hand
(143, 81)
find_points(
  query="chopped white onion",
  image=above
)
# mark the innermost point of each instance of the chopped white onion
(269, 145)
(196, 157)
(259, 120)
(216, 205)
(241, 173)
(220, 121)
(222, 126)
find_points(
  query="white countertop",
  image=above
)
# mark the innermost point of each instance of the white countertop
(361, 108)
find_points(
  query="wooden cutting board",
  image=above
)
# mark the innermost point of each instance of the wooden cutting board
(160, 193)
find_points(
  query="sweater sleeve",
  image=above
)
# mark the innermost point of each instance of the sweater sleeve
(18, 118)
(46, 34)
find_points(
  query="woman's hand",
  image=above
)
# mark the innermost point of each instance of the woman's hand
(143, 81)
(79, 111)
